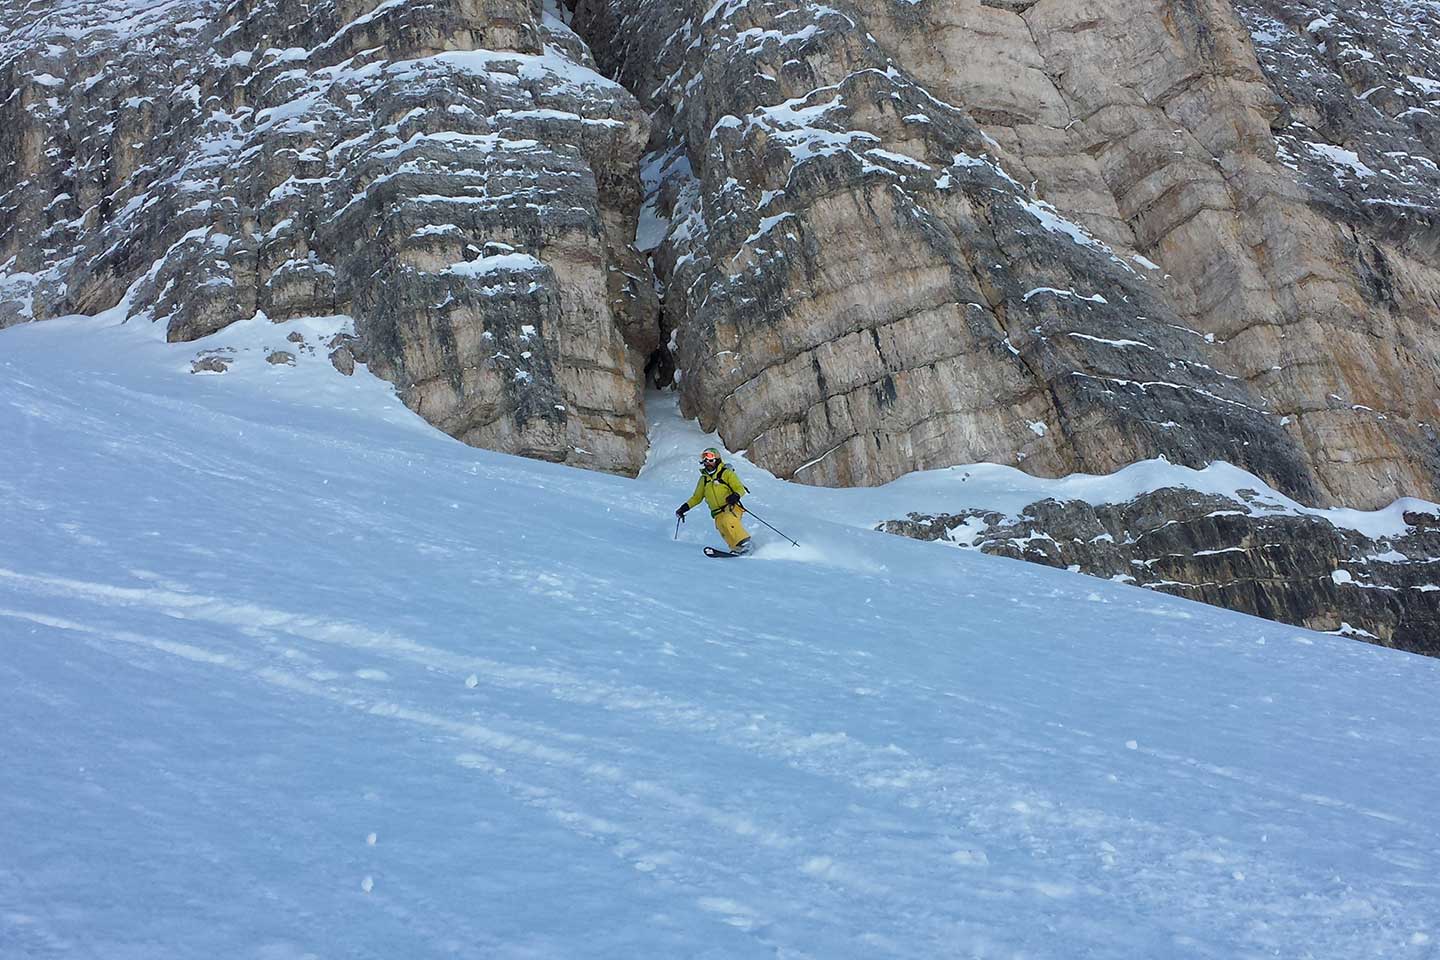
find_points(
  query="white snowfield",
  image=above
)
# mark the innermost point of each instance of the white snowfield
(285, 673)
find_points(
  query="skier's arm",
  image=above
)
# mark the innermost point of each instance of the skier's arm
(698, 495)
(732, 480)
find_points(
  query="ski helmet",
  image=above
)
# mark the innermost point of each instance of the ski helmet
(710, 458)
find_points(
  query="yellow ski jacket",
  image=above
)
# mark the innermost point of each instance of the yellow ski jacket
(715, 488)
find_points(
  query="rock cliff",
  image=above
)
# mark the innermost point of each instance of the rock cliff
(858, 284)
(1063, 234)
(454, 175)
(861, 237)
(1242, 552)
(1313, 273)
(1053, 233)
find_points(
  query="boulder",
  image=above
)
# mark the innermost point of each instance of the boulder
(454, 176)
(1243, 553)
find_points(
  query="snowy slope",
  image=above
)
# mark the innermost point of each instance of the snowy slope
(285, 673)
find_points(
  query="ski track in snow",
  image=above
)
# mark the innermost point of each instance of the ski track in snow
(287, 673)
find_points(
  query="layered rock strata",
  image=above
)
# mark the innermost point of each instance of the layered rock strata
(1290, 198)
(1243, 554)
(1062, 234)
(1054, 233)
(455, 176)
(857, 286)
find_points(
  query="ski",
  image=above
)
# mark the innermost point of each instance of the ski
(712, 552)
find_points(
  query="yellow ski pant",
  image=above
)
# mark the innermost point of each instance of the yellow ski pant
(727, 521)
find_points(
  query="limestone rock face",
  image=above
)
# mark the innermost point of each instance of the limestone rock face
(1235, 553)
(1064, 234)
(857, 285)
(862, 237)
(1294, 217)
(454, 175)
(1060, 234)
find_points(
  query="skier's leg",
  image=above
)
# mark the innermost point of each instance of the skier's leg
(727, 521)
(725, 524)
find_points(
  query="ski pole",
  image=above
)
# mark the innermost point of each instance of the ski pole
(762, 520)
(678, 520)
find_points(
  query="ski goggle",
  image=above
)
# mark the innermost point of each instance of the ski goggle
(709, 459)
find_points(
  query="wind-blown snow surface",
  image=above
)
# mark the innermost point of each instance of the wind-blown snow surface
(285, 673)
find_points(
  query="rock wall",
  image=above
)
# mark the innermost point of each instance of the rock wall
(1154, 123)
(453, 175)
(859, 288)
(1242, 554)
(1060, 234)
(886, 235)
(1064, 234)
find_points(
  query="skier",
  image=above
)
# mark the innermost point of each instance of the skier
(721, 489)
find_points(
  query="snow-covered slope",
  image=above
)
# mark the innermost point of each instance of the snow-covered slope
(286, 673)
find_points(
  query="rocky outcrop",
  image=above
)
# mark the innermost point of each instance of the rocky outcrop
(1359, 120)
(1064, 234)
(455, 176)
(1060, 234)
(859, 288)
(1244, 554)
(1155, 123)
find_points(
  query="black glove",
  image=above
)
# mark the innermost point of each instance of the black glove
(681, 510)
(733, 500)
